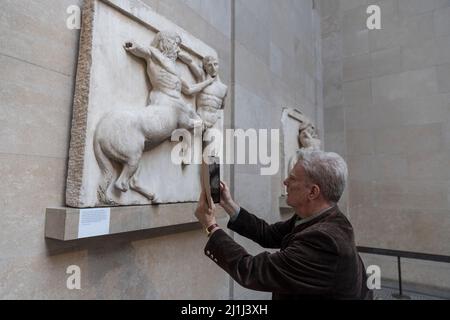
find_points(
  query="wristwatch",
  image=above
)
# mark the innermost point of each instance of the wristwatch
(211, 228)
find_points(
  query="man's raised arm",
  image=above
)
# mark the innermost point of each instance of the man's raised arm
(252, 227)
(267, 236)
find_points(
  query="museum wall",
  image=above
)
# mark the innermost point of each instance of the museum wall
(38, 60)
(277, 64)
(387, 109)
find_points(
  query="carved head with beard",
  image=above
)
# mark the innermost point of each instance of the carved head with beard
(168, 43)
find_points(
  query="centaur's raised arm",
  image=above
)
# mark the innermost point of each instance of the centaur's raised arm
(196, 70)
(137, 50)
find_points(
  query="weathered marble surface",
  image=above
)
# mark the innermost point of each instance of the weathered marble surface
(110, 80)
(297, 132)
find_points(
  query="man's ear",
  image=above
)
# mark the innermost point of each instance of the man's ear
(314, 193)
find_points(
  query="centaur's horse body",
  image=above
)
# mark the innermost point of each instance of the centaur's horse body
(121, 137)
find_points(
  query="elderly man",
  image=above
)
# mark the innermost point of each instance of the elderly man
(318, 258)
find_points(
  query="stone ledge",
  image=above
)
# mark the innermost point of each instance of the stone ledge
(62, 223)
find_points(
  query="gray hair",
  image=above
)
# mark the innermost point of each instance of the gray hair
(326, 169)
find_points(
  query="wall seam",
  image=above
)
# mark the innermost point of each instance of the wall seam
(233, 117)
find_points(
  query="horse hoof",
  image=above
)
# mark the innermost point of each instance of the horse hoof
(121, 186)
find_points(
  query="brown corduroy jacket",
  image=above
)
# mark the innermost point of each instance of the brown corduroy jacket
(318, 259)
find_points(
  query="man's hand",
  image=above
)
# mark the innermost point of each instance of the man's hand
(204, 214)
(225, 195)
(226, 201)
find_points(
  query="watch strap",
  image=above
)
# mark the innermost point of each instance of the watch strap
(211, 228)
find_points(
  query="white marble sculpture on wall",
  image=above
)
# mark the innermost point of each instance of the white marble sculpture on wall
(298, 132)
(210, 100)
(307, 136)
(134, 88)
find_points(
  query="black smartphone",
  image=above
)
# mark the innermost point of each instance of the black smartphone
(214, 180)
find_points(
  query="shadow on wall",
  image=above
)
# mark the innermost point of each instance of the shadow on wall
(56, 247)
(122, 274)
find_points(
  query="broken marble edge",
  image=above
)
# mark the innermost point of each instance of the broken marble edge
(144, 14)
(80, 108)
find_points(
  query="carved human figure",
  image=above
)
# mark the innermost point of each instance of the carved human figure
(121, 136)
(308, 137)
(161, 56)
(212, 98)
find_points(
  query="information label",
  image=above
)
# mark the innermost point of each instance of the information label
(93, 222)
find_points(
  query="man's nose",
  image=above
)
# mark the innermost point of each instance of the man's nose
(285, 182)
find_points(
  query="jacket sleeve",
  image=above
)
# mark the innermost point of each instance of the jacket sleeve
(307, 266)
(256, 229)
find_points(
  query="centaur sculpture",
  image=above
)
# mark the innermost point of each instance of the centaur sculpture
(121, 136)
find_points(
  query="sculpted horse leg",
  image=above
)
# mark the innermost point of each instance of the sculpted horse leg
(129, 168)
(123, 182)
(124, 142)
(137, 186)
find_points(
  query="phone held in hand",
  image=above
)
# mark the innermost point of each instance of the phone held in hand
(211, 180)
(214, 179)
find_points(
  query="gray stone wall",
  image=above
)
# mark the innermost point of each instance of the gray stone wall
(276, 48)
(38, 59)
(277, 65)
(387, 110)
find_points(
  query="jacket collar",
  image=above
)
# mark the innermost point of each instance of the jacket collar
(321, 216)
